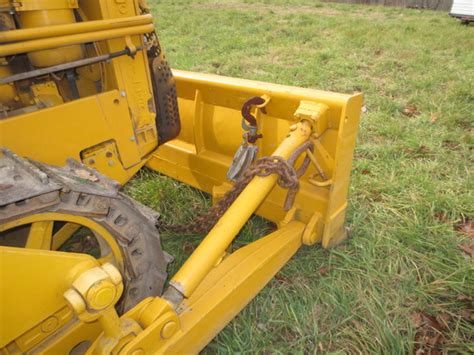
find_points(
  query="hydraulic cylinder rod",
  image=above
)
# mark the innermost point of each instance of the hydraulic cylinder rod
(214, 245)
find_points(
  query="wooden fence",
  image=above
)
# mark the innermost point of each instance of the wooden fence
(441, 5)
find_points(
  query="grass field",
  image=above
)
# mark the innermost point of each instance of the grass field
(405, 280)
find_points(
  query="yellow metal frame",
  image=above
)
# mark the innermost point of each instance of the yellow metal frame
(212, 287)
(29, 34)
(41, 234)
(211, 249)
(121, 119)
(37, 299)
(211, 124)
(115, 132)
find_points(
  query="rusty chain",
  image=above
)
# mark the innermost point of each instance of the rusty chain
(266, 166)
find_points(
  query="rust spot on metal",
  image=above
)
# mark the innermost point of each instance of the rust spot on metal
(5, 186)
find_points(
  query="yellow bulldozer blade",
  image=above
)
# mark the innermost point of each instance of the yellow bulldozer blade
(210, 108)
(213, 286)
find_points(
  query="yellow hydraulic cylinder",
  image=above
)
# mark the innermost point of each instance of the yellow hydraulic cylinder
(214, 245)
(58, 12)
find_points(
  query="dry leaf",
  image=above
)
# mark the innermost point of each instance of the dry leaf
(187, 247)
(358, 325)
(464, 298)
(428, 337)
(324, 270)
(282, 280)
(467, 247)
(443, 320)
(466, 227)
(467, 314)
(416, 319)
(410, 110)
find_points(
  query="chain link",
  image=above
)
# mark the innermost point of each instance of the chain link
(266, 166)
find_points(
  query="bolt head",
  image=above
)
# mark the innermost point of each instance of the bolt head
(169, 329)
(101, 295)
(49, 324)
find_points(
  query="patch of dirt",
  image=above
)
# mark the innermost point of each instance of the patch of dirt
(284, 10)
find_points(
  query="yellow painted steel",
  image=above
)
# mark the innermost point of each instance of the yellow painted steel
(7, 91)
(41, 234)
(211, 249)
(30, 281)
(47, 136)
(219, 298)
(37, 5)
(74, 28)
(210, 112)
(63, 234)
(61, 12)
(61, 41)
(111, 127)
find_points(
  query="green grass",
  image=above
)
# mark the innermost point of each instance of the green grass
(412, 177)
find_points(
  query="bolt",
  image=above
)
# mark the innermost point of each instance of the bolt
(168, 329)
(123, 93)
(101, 295)
(49, 324)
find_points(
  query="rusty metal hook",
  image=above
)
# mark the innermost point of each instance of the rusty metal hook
(254, 101)
(258, 101)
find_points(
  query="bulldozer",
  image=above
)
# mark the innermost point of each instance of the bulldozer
(87, 99)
